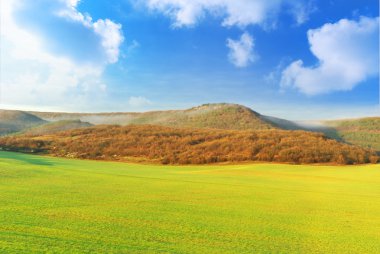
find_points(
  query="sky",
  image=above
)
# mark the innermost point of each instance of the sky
(294, 59)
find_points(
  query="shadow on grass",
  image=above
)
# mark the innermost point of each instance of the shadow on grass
(30, 159)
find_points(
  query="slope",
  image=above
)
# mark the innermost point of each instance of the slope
(219, 116)
(364, 131)
(12, 121)
(53, 127)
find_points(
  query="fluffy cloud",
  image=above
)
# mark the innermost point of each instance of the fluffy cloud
(347, 53)
(138, 101)
(66, 31)
(110, 35)
(54, 58)
(237, 12)
(241, 51)
(111, 38)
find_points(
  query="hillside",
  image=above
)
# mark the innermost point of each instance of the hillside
(12, 121)
(219, 116)
(364, 132)
(169, 145)
(53, 127)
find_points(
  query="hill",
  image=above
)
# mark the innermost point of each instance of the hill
(219, 116)
(364, 132)
(12, 121)
(169, 145)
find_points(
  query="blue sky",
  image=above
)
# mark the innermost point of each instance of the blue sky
(305, 59)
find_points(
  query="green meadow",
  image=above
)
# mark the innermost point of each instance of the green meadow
(53, 205)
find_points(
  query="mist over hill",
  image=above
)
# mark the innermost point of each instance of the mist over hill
(12, 121)
(364, 132)
(53, 127)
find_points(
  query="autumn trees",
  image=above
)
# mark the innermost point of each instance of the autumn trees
(191, 146)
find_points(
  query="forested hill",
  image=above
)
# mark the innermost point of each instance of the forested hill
(170, 145)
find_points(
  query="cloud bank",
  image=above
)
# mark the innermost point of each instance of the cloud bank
(347, 53)
(53, 55)
(64, 30)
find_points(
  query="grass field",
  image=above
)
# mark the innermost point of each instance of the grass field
(54, 205)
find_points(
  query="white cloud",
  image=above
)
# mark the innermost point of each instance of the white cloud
(111, 38)
(34, 74)
(110, 33)
(72, 3)
(302, 10)
(138, 101)
(241, 51)
(347, 53)
(234, 13)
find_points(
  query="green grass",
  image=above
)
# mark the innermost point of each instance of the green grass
(54, 205)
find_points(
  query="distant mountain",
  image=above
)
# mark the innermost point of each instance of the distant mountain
(12, 121)
(218, 116)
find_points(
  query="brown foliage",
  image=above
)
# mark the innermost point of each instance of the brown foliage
(191, 146)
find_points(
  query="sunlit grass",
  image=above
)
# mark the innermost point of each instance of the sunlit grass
(65, 206)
